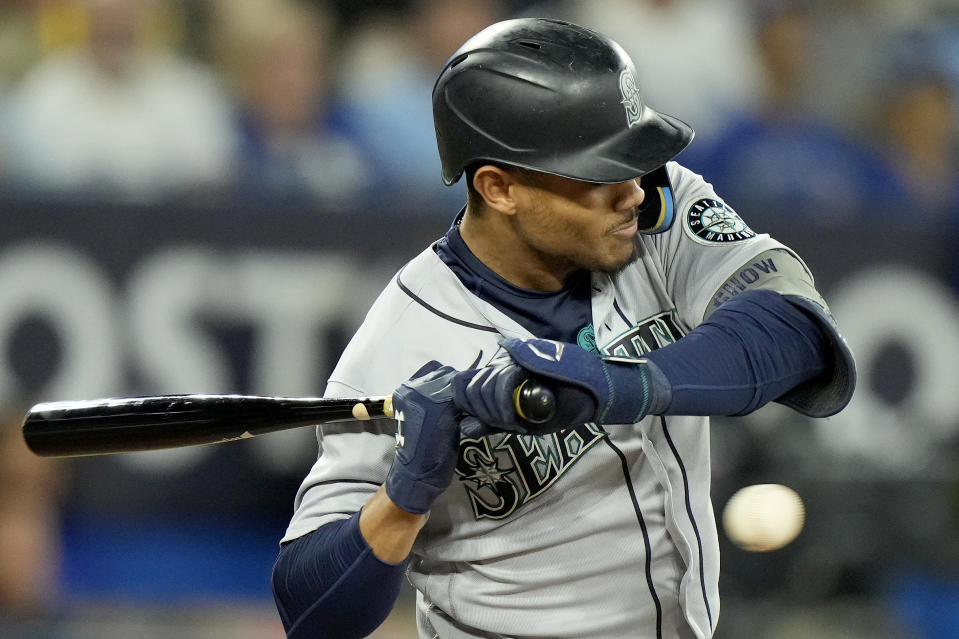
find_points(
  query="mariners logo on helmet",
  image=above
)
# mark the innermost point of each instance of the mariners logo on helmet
(631, 100)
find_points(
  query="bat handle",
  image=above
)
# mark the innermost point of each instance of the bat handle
(533, 402)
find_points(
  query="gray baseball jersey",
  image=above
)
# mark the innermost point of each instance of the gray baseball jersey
(591, 532)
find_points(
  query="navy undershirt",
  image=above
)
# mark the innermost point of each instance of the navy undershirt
(558, 315)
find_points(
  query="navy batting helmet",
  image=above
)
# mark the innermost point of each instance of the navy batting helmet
(549, 96)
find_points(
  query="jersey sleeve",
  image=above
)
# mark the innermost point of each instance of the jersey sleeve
(420, 316)
(353, 460)
(711, 254)
(705, 246)
(354, 457)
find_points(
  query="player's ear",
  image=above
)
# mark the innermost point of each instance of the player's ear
(497, 188)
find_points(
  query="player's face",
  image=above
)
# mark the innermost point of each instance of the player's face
(576, 224)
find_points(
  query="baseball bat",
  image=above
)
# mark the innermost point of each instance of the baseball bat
(130, 424)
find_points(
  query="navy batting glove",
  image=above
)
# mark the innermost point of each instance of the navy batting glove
(487, 396)
(427, 438)
(588, 388)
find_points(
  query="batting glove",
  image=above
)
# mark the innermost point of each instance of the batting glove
(588, 388)
(427, 438)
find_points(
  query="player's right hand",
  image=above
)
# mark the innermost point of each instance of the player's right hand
(588, 388)
(427, 438)
(487, 396)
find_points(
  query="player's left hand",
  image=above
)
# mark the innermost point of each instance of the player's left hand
(587, 388)
(427, 438)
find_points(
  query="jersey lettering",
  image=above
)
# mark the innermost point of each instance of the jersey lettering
(501, 478)
(648, 335)
(744, 279)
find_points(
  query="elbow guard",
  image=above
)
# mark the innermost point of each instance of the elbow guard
(830, 392)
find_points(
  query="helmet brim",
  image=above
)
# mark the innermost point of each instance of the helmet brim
(644, 147)
(655, 140)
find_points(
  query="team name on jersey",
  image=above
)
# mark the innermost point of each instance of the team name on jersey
(649, 334)
(502, 475)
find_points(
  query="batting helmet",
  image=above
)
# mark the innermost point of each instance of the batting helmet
(549, 96)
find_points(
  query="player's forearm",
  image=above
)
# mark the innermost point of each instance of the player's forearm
(320, 579)
(330, 583)
(388, 529)
(749, 352)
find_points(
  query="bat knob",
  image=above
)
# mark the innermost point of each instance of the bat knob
(534, 402)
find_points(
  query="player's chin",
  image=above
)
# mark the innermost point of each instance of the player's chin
(617, 257)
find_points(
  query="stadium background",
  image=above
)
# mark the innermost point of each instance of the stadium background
(205, 196)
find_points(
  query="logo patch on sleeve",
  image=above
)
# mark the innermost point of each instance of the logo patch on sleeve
(713, 222)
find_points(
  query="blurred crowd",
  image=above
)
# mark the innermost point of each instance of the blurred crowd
(826, 111)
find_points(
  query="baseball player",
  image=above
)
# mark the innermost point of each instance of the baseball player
(588, 260)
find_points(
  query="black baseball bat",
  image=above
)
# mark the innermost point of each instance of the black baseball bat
(130, 424)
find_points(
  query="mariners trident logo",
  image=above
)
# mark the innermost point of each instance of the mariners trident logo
(631, 100)
(713, 222)
(501, 476)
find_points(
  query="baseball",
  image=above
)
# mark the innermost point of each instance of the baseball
(763, 517)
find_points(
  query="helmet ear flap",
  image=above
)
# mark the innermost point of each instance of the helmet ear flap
(656, 213)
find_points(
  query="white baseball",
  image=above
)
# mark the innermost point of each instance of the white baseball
(764, 517)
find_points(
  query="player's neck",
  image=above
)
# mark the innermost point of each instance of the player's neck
(497, 245)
